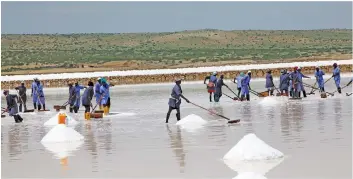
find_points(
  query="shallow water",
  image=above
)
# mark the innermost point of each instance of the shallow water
(314, 134)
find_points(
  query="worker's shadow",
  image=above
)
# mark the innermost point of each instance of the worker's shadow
(176, 143)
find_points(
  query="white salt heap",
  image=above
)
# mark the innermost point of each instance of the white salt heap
(54, 120)
(252, 148)
(61, 133)
(260, 167)
(191, 122)
(62, 149)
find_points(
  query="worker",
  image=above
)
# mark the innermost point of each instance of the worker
(337, 77)
(22, 96)
(12, 107)
(319, 75)
(34, 94)
(301, 76)
(291, 89)
(212, 80)
(105, 98)
(238, 78)
(269, 83)
(72, 97)
(284, 82)
(296, 83)
(87, 97)
(77, 98)
(175, 100)
(218, 92)
(245, 86)
(97, 93)
(40, 95)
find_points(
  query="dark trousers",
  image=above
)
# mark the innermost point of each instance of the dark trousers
(20, 108)
(239, 90)
(170, 110)
(40, 106)
(87, 108)
(247, 97)
(108, 103)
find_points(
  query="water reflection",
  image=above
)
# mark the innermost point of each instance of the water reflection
(91, 145)
(338, 115)
(176, 144)
(14, 143)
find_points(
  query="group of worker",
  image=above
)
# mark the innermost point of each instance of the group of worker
(100, 91)
(289, 82)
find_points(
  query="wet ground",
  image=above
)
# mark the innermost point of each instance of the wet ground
(315, 135)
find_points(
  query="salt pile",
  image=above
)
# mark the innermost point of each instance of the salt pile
(252, 148)
(63, 149)
(54, 120)
(61, 133)
(249, 175)
(191, 122)
(260, 167)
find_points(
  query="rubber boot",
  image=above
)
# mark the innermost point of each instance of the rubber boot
(291, 93)
(44, 107)
(105, 109)
(298, 94)
(271, 93)
(25, 107)
(71, 108)
(242, 97)
(178, 116)
(304, 94)
(75, 109)
(20, 108)
(20, 119)
(339, 90)
(167, 118)
(35, 105)
(39, 107)
(323, 89)
(16, 118)
(248, 97)
(210, 97)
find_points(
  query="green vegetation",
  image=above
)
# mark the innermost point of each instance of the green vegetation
(176, 47)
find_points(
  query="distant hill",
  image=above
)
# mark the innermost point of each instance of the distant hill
(170, 49)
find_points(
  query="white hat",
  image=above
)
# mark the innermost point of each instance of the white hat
(99, 78)
(317, 66)
(249, 71)
(22, 81)
(299, 68)
(214, 73)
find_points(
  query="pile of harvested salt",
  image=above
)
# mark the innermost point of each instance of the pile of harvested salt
(191, 122)
(61, 133)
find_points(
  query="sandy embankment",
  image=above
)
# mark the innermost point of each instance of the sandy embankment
(168, 75)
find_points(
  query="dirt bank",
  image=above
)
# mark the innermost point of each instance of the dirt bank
(139, 79)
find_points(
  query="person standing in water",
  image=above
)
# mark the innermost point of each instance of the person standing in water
(77, 98)
(87, 97)
(296, 80)
(34, 94)
(212, 80)
(319, 75)
(238, 78)
(175, 100)
(245, 86)
(12, 107)
(337, 77)
(22, 96)
(218, 92)
(301, 76)
(97, 93)
(284, 82)
(269, 83)
(104, 91)
(40, 93)
(72, 97)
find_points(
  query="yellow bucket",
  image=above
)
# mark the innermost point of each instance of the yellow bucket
(62, 118)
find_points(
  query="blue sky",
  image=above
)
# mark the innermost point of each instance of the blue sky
(125, 17)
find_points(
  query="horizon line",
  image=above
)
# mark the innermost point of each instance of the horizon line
(206, 29)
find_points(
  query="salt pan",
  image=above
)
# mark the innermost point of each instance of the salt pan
(269, 101)
(61, 133)
(54, 120)
(191, 122)
(252, 148)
